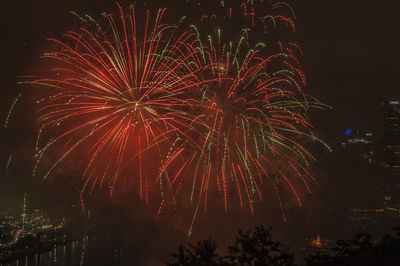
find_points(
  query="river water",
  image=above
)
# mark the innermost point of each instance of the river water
(85, 252)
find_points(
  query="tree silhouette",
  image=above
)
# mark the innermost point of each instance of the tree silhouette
(250, 248)
(202, 253)
(259, 248)
(361, 251)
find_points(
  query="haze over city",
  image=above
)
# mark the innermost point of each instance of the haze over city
(128, 130)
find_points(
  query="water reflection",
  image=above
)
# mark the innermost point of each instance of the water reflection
(85, 252)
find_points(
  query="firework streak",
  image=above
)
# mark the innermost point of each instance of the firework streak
(174, 110)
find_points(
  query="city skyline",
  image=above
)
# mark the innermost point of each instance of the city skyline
(350, 53)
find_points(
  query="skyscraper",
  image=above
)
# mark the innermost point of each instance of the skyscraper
(391, 133)
(23, 216)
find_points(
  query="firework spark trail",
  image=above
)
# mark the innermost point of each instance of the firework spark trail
(170, 106)
(117, 98)
(11, 110)
(250, 116)
(6, 169)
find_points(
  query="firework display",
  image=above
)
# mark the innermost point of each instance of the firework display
(203, 105)
(117, 98)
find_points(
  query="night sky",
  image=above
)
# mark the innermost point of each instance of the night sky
(351, 50)
(351, 59)
(351, 55)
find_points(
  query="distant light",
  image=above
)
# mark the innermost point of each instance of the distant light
(394, 102)
(348, 132)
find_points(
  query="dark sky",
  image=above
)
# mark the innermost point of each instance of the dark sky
(351, 58)
(351, 51)
(351, 55)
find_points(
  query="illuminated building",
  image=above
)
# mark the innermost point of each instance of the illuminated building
(356, 137)
(391, 133)
(317, 243)
(23, 215)
(360, 142)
